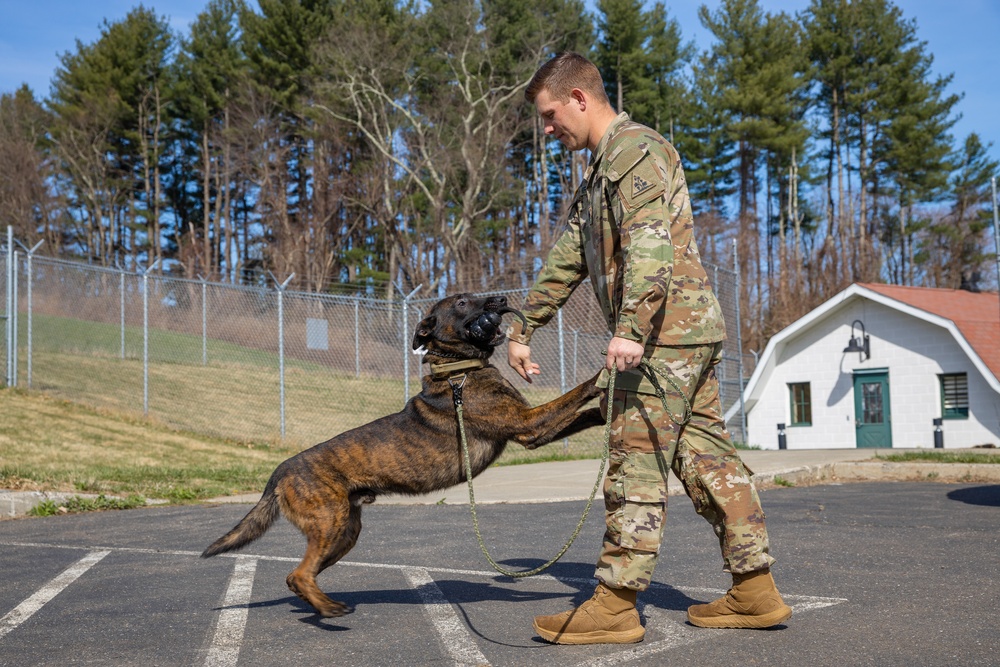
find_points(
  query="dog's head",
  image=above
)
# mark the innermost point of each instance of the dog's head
(463, 326)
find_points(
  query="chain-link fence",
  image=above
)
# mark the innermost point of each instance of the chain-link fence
(265, 363)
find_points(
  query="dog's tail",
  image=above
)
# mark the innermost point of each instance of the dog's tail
(251, 527)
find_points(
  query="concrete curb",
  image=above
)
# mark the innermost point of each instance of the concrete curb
(19, 503)
(874, 471)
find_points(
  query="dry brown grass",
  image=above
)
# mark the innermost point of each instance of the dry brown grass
(50, 444)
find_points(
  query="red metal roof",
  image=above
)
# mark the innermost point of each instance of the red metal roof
(976, 314)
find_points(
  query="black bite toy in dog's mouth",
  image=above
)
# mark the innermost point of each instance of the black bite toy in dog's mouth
(486, 327)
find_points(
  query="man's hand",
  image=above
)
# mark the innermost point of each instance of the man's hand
(519, 358)
(623, 353)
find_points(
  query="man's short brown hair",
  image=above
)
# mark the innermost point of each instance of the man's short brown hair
(562, 74)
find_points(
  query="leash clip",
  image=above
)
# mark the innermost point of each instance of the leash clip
(456, 389)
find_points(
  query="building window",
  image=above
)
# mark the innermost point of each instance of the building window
(801, 402)
(954, 395)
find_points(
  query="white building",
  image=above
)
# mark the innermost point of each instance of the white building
(933, 354)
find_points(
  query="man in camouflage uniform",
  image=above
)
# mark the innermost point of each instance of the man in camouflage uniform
(631, 231)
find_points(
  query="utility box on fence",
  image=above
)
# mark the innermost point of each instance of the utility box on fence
(317, 335)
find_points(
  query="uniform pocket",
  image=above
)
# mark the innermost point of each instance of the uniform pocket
(645, 508)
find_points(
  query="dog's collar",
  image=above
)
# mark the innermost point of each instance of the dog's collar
(450, 368)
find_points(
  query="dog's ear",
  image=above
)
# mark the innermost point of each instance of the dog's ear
(424, 331)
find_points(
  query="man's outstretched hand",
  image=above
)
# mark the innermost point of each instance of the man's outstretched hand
(519, 358)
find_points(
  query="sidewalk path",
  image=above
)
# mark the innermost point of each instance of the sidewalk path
(574, 480)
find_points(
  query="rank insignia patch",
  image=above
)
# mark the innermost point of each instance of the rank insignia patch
(639, 185)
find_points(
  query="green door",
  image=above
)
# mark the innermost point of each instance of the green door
(872, 417)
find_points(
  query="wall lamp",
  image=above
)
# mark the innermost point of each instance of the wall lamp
(860, 343)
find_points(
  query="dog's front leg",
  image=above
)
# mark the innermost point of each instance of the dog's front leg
(545, 423)
(583, 420)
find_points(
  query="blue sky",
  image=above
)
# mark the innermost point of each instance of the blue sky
(961, 34)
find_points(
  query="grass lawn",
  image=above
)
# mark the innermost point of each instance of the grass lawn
(943, 456)
(236, 395)
(50, 444)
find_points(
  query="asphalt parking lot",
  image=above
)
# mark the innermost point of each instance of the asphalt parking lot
(878, 574)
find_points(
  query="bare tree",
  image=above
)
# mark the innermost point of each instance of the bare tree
(439, 124)
(99, 195)
(26, 200)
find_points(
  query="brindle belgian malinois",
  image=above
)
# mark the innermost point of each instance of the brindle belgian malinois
(417, 450)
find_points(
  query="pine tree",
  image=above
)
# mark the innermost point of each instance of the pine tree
(658, 94)
(212, 72)
(756, 65)
(913, 145)
(112, 96)
(619, 53)
(525, 33)
(954, 246)
(293, 204)
(887, 117)
(709, 155)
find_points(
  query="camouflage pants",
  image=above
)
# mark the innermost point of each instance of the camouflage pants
(646, 443)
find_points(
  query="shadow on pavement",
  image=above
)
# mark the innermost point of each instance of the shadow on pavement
(978, 495)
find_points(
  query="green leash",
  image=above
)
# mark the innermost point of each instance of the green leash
(649, 371)
(457, 391)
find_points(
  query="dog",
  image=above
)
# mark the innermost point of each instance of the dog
(417, 450)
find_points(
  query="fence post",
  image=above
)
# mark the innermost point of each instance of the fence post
(145, 342)
(561, 340)
(739, 343)
(31, 253)
(576, 355)
(10, 315)
(357, 340)
(406, 345)
(145, 336)
(562, 351)
(121, 299)
(281, 345)
(204, 320)
(14, 317)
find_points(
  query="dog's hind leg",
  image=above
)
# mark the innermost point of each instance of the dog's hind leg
(347, 539)
(329, 532)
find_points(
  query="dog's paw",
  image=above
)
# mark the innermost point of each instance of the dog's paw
(593, 391)
(335, 609)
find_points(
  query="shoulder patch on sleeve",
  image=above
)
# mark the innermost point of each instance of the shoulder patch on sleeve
(622, 160)
(641, 185)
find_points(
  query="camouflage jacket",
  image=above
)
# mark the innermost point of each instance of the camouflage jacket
(630, 229)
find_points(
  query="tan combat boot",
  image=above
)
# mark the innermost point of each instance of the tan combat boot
(752, 602)
(610, 617)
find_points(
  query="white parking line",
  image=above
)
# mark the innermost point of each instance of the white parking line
(225, 648)
(24, 611)
(456, 638)
(459, 643)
